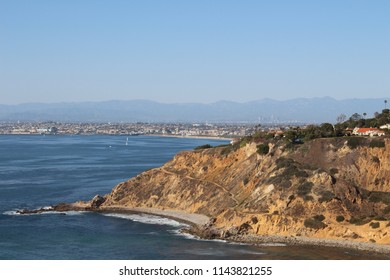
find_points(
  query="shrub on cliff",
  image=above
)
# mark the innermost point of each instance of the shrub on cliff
(333, 171)
(262, 149)
(374, 225)
(359, 221)
(304, 189)
(313, 223)
(377, 144)
(230, 148)
(283, 162)
(207, 146)
(326, 196)
(377, 196)
(340, 219)
(319, 218)
(355, 142)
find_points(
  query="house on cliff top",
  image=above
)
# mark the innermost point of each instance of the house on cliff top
(385, 126)
(368, 132)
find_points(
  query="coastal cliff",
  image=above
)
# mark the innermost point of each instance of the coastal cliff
(334, 188)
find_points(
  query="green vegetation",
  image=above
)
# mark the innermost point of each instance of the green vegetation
(383, 197)
(356, 120)
(285, 184)
(314, 223)
(223, 145)
(326, 196)
(340, 219)
(244, 141)
(333, 171)
(374, 225)
(298, 135)
(304, 189)
(230, 148)
(355, 142)
(262, 149)
(283, 162)
(322, 131)
(359, 221)
(207, 146)
(319, 218)
(377, 143)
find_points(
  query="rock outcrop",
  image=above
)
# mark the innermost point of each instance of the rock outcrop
(325, 188)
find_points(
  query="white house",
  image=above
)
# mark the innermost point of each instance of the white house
(385, 126)
(368, 131)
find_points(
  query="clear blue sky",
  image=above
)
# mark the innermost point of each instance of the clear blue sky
(192, 51)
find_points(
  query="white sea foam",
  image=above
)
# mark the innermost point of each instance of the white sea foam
(69, 213)
(73, 213)
(194, 237)
(11, 213)
(273, 244)
(147, 219)
(184, 234)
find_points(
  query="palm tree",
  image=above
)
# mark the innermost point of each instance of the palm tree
(364, 114)
(385, 104)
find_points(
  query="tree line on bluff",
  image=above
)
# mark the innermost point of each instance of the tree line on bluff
(298, 135)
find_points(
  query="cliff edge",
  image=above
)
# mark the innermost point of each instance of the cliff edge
(334, 188)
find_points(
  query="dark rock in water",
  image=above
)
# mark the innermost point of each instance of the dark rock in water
(62, 207)
(97, 201)
(34, 211)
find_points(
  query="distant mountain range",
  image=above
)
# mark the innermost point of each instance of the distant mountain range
(304, 110)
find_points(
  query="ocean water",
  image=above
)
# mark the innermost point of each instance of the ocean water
(38, 171)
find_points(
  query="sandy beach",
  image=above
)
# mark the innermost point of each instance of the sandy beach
(181, 216)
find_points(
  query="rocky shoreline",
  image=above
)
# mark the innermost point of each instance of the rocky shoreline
(209, 232)
(203, 227)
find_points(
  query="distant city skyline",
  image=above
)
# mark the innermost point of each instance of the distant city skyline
(193, 51)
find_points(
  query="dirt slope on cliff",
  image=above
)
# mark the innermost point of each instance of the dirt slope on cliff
(326, 188)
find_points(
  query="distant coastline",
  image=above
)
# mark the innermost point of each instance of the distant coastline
(191, 137)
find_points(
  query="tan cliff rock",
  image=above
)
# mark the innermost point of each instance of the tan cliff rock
(325, 188)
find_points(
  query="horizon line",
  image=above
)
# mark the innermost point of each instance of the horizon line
(193, 102)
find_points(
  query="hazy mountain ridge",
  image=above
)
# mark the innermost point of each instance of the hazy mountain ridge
(311, 110)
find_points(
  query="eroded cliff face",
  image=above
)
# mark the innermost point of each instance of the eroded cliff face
(323, 188)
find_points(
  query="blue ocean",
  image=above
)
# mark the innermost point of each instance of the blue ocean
(38, 171)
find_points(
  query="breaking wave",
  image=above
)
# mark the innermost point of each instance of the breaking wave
(147, 219)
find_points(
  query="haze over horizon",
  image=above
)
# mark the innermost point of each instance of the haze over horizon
(192, 51)
(265, 99)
